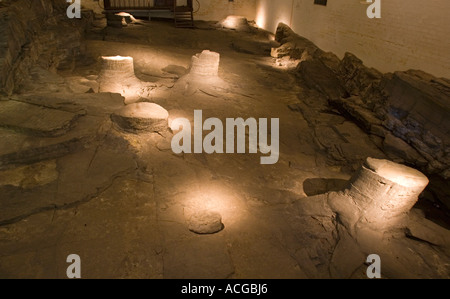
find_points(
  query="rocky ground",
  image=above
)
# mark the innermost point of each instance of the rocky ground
(72, 182)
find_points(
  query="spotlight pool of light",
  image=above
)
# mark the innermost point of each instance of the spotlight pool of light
(117, 58)
(118, 63)
(216, 198)
(398, 173)
(235, 22)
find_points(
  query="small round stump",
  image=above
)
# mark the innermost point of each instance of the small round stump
(142, 117)
(205, 64)
(205, 222)
(117, 66)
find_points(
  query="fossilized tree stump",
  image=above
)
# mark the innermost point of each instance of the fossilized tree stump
(385, 192)
(117, 76)
(141, 117)
(117, 66)
(205, 64)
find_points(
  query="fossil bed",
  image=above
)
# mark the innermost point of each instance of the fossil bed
(73, 181)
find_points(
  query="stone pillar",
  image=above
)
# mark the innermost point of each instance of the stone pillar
(385, 192)
(205, 64)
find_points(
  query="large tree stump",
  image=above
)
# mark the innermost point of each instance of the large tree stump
(385, 192)
(117, 76)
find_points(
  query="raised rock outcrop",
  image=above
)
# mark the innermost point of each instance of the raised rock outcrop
(39, 121)
(407, 113)
(37, 32)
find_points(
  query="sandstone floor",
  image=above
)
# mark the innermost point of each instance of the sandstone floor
(72, 183)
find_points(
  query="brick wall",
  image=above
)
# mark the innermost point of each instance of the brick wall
(216, 10)
(412, 34)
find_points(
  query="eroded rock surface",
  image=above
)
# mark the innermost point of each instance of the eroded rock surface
(42, 35)
(37, 120)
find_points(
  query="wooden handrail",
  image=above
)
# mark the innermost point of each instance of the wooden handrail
(127, 5)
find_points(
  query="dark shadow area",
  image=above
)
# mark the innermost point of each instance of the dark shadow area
(320, 186)
(433, 209)
(176, 70)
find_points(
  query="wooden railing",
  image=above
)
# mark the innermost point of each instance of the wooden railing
(128, 4)
(144, 4)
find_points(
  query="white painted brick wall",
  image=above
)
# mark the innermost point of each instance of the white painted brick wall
(412, 34)
(216, 10)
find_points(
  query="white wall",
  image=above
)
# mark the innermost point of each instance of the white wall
(216, 10)
(411, 34)
(210, 10)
